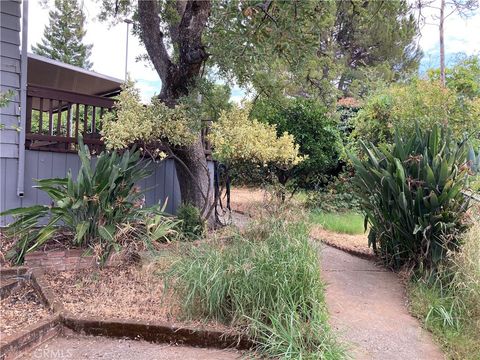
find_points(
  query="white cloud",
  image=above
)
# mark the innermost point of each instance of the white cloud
(461, 35)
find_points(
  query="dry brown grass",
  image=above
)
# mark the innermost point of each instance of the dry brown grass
(20, 309)
(127, 292)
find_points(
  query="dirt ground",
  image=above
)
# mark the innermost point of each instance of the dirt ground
(355, 243)
(247, 201)
(93, 348)
(20, 309)
(367, 306)
(134, 292)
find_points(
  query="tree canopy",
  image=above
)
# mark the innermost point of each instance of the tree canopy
(277, 47)
(63, 36)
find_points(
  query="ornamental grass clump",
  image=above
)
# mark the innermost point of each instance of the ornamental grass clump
(268, 286)
(450, 305)
(411, 195)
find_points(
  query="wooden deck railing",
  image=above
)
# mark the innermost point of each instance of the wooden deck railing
(56, 118)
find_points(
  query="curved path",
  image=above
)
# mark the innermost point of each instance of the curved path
(367, 306)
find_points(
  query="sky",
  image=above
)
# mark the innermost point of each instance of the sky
(109, 44)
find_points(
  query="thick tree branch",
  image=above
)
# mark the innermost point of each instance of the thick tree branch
(152, 37)
(192, 53)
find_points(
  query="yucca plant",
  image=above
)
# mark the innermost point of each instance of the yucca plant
(102, 203)
(411, 195)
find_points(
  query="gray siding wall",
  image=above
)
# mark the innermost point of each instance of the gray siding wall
(10, 78)
(161, 186)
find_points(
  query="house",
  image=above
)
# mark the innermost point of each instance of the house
(52, 104)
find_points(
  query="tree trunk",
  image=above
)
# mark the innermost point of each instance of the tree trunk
(194, 178)
(177, 74)
(442, 44)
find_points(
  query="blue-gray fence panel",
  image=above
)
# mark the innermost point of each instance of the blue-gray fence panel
(160, 186)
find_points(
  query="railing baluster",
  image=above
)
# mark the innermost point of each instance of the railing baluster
(69, 130)
(85, 119)
(59, 118)
(50, 118)
(77, 121)
(40, 120)
(28, 120)
(93, 120)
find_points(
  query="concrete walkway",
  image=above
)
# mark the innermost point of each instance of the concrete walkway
(367, 306)
(96, 348)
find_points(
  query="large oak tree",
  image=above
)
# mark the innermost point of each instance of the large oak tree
(274, 46)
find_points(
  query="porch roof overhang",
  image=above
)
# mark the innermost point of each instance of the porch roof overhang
(48, 73)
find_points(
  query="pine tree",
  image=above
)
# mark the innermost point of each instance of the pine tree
(63, 37)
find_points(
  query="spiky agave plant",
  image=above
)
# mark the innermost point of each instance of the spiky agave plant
(411, 195)
(93, 207)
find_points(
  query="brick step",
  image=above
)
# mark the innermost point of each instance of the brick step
(8, 285)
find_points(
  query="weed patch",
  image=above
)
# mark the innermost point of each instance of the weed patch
(268, 286)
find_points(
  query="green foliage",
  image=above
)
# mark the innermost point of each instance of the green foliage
(155, 123)
(207, 99)
(101, 208)
(5, 98)
(292, 47)
(338, 195)
(374, 40)
(266, 48)
(346, 222)
(268, 284)
(400, 106)
(411, 195)
(450, 306)
(192, 224)
(315, 131)
(63, 37)
(236, 138)
(463, 77)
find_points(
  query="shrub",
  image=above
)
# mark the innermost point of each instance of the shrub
(269, 285)
(236, 138)
(399, 106)
(411, 195)
(315, 130)
(450, 306)
(101, 208)
(338, 196)
(192, 224)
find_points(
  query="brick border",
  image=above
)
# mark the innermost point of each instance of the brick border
(354, 252)
(33, 335)
(156, 332)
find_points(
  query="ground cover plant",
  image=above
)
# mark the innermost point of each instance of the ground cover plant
(101, 208)
(450, 306)
(346, 222)
(267, 283)
(411, 195)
